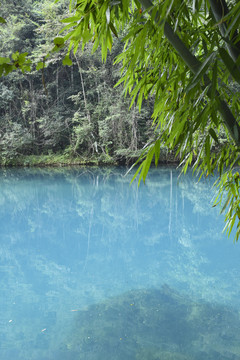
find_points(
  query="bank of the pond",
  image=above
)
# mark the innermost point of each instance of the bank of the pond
(54, 160)
(68, 160)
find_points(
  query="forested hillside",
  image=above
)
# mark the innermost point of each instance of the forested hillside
(69, 113)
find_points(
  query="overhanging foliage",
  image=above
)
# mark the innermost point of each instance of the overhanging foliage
(185, 54)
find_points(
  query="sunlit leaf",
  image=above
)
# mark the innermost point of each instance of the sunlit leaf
(67, 61)
(71, 19)
(108, 15)
(147, 162)
(58, 41)
(4, 60)
(40, 65)
(15, 55)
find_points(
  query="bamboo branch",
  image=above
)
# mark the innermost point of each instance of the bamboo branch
(219, 10)
(194, 64)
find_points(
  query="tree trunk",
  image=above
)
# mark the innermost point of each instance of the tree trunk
(83, 90)
(57, 85)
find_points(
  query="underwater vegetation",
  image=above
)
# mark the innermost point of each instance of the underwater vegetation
(154, 325)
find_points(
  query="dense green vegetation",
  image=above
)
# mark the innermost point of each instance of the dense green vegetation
(63, 114)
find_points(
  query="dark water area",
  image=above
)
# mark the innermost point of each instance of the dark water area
(92, 268)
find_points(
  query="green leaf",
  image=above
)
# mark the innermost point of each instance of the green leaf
(195, 7)
(40, 65)
(201, 71)
(234, 24)
(2, 20)
(58, 41)
(147, 163)
(67, 61)
(136, 173)
(8, 68)
(4, 60)
(230, 64)
(26, 68)
(108, 14)
(114, 31)
(214, 80)
(86, 36)
(213, 134)
(137, 4)
(22, 57)
(71, 19)
(68, 26)
(15, 55)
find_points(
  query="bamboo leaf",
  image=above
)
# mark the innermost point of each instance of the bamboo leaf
(201, 71)
(136, 173)
(86, 36)
(234, 24)
(230, 64)
(147, 163)
(66, 28)
(114, 31)
(108, 14)
(214, 80)
(225, 204)
(71, 19)
(213, 134)
(195, 6)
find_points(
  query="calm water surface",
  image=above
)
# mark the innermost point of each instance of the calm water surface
(94, 269)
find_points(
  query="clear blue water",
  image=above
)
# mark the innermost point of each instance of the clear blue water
(92, 268)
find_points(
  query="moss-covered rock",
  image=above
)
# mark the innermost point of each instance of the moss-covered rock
(155, 325)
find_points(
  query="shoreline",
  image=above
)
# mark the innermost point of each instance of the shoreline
(61, 160)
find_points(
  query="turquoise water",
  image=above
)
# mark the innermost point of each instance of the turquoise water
(93, 269)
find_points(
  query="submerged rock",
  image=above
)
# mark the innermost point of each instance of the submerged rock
(155, 325)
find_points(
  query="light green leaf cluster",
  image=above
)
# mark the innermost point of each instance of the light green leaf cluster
(95, 21)
(18, 61)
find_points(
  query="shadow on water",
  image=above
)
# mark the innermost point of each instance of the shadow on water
(154, 325)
